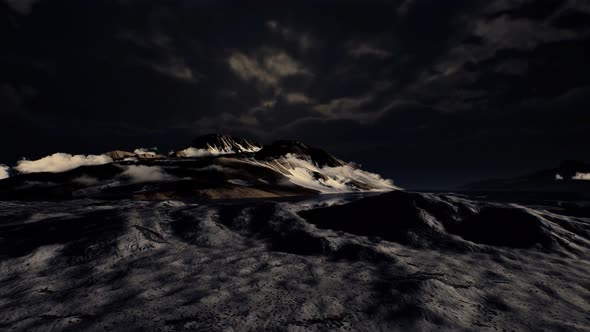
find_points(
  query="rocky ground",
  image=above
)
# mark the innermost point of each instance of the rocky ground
(396, 261)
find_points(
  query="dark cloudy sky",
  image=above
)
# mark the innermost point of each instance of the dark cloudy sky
(427, 92)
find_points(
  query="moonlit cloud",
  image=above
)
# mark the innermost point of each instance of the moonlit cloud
(337, 107)
(365, 49)
(283, 65)
(176, 69)
(4, 171)
(248, 68)
(347, 108)
(60, 162)
(581, 176)
(303, 40)
(273, 67)
(297, 98)
(171, 64)
(518, 33)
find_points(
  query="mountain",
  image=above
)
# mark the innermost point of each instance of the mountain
(118, 155)
(297, 149)
(570, 176)
(214, 167)
(215, 144)
(225, 143)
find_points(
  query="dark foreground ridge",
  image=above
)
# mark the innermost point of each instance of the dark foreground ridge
(398, 261)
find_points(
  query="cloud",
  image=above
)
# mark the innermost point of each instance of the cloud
(141, 173)
(405, 7)
(364, 108)
(176, 68)
(248, 119)
(283, 65)
(338, 107)
(581, 176)
(165, 59)
(248, 69)
(273, 67)
(273, 25)
(4, 172)
(558, 177)
(304, 41)
(22, 6)
(365, 49)
(297, 98)
(60, 162)
(512, 67)
(524, 34)
(351, 108)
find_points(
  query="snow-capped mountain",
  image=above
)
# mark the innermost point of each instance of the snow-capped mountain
(216, 144)
(215, 166)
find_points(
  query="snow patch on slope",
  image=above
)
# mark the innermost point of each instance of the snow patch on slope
(194, 152)
(326, 179)
(231, 145)
(141, 173)
(239, 182)
(213, 151)
(224, 145)
(60, 162)
(145, 152)
(86, 180)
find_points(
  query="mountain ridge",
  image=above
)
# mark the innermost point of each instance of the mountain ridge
(213, 167)
(569, 176)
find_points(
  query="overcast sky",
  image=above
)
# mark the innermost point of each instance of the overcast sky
(427, 92)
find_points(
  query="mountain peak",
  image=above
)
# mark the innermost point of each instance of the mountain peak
(225, 143)
(283, 147)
